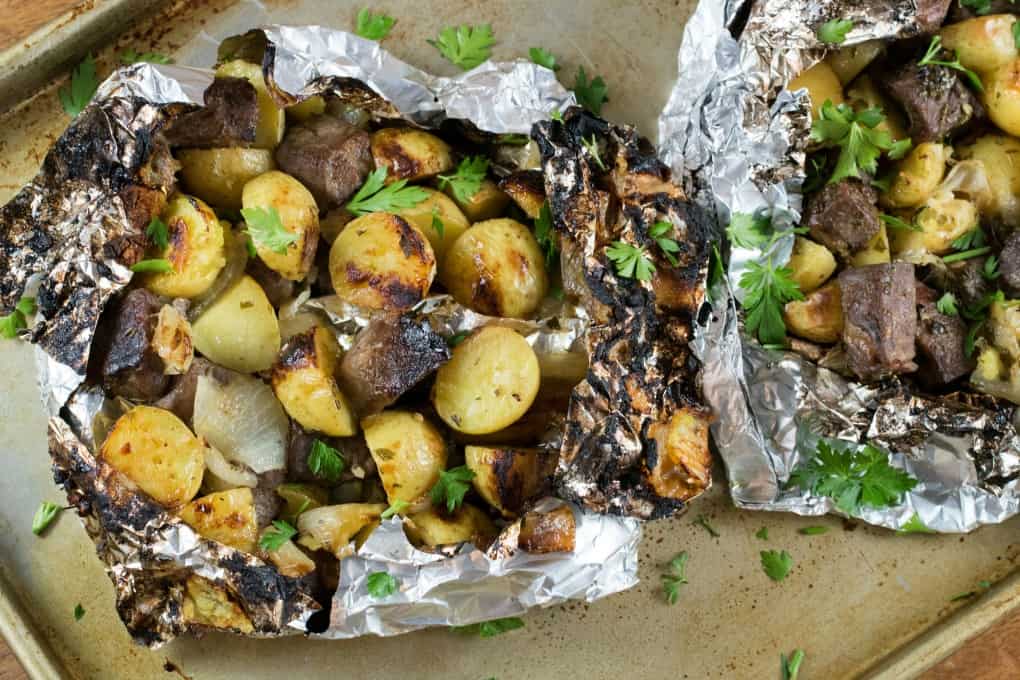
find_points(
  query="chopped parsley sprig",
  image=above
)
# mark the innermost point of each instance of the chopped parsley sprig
(776, 564)
(381, 584)
(631, 261)
(325, 462)
(132, 57)
(488, 629)
(857, 136)
(158, 233)
(265, 228)
(373, 26)
(591, 94)
(791, 666)
(545, 235)
(17, 319)
(156, 266)
(768, 288)
(465, 46)
(275, 536)
(376, 196)
(834, 31)
(543, 57)
(467, 180)
(44, 516)
(451, 487)
(675, 577)
(935, 50)
(75, 96)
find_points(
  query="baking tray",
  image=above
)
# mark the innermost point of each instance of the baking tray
(860, 601)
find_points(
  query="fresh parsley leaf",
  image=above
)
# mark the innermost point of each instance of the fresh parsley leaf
(79, 612)
(397, 507)
(975, 238)
(465, 46)
(437, 223)
(675, 577)
(266, 229)
(455, 340)
(545, 235)
(716, 272)
(249, 245)
(16, 320)
(451, 487)
(543, 57)
(376, 196)
(751, 231)
(590, 94)
(983, 585)
(631, 261)
(990, 270)
(768, 290)
(703, 522)
(492, 628)
(76, 96)
(935, 50)
(592, 147)
(853, 478)
(914, 525)
(899, 149)
(132, 57)
(791, 666)
(325, 462)
(159, 266)
(25, 305)
(857, 136)
(970, 341)
(275, 536)
(967, 254)
(776, 564)
(894, 222)
(556, 115)
(158, 233)
(762, 533)
(44, 516)
(813, 531)
(667, 245)
(834, 31)
(373, 26)
(467, 180)
(947, 304)
(381, 584)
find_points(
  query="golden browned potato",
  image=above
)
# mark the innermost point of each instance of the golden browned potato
(155, 450)
(848, 62)
(194, 249)
(946, 220)
(907, 245)
(548, 532)
(381, 261)
(309, 108)
(304, 382)
(300, 497)
(438, 206)
(496, 268)
(269, 129)
(408, 451)
(527, 190)
(225, 516)
(239, 330)
(172, 341)
(410, 154)
(217, 176)
(299, 216)
(206, 604)
(983, 43)
(1000, 156)
(811, 263)
(918, 175)
(818, 317)
(507, 478)
(435, 528)
(490, 381)
(1002, 96)
(289, 559)
(332, 528)
(875, 252)
(487, 203)
(683, 465)
(822, 86)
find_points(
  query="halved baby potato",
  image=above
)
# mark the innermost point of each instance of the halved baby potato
(489, 202)
(682, 466)
(410, 154)
(527, 190)
(272, 119)
(811, 263)
(818, 317)
(333, 527)
(218, 176)
(917, 176)
(822, 85)
(490, 381)
(434, 528)
(381, 261)
(225, 516)
(875, 251)
(548, 532)
(507, 478)
(983, 43)
(437, 207)
(195, 249)
(289, 559)
(309, 108)
(409, 453)
(206, 604)
(304, 382)
(157, 451)
(944, 221)
(239, 330)
(299, 216)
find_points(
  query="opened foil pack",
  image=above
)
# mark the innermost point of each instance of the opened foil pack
(65, 239)
(741, 137)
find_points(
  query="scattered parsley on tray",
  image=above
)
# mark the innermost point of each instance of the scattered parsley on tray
(914, 525)
(791, 667)
(492, 628)
(451, 487)
(813, 531)
(325, 462)
(947, 304)
(465, 46)
(157, 266)
(132, 57)
(376, 196)
(768, 289)
(543, 57)
(857, 136)
(266, 229)
(381, 584)
(18, 318)
(632, 262)
(834, 31)
(467, 180)
(44, 516)
(675, 577)
(84, 83)
(930, 59)
(762, 533)
(590, 94)
(703, 522)
(373, 26)
(275, 536)
(158, 233)
(79, 612)
(397, 507)
(776, 564)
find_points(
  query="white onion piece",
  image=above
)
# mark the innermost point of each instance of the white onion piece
(222, 475)
(244, 420)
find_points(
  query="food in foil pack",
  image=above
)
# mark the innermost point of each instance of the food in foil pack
(306, 335)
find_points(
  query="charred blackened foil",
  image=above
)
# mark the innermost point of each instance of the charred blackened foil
(636, 437)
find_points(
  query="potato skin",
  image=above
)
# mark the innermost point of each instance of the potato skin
(507, 478)
(1002, 96)
(811, 263)
(225, 516)
(381, 261)
(490, 381)
(409, 453)
(434, 528)
(983, 43)
(920, 173)
(848, 62)
(496, 268)
(218, 176)
(819, 317)
(239, 330)
(158, 452)
(441, 206)
(299, 215)
(410, 154)
(195, 249)
(489, 202)
(1000, 155)
(944, 221)
(822, 85)
(304, 382)
(548, 532)
(272, 119)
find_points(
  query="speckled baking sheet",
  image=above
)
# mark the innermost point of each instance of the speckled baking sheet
(858, 600)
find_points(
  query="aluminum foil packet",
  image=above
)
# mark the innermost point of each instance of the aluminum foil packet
(733, 129)
(65, 239)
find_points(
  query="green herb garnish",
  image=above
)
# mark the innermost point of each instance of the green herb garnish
(762, 533)
(751, 231)
(967, 254)
(468, 178)
(834, 31)
(990, 270)
(590, 94)
(44, 516)
(275, 536)
(675, 577)
(492, 628)
(632, 262)
(543, 57)
(545, 235)
(914, 525)
(376, 196)
(592, 147)
(791, 667)
(858, 138)
(667, 245)
(703, 522)
(437, 223)
(373, 26)
(776, 564)
(451, 487)
(266, 229)
(381, 584)
(465, 46)
(813, 531)
(132, 57)
(17, 319)
(325, 462)
(397, 507)
(159, 266)
(158, 233)
(896, 223)
(935, 49)
(768, 289)
(84, 83)
(79, 612)
(947, 304)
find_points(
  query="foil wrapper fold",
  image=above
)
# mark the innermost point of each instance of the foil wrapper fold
(740, 137)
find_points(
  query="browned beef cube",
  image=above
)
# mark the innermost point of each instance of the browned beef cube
(843, 216)
(180, 400)
(935, 99)
(389, 357)
(931, 13)
(329, 156)
(968, 282)
(1009, 264)
(130, 367)
(229, 117)
(277, 288)
(940, 340)
(358, 463)
(879, 319)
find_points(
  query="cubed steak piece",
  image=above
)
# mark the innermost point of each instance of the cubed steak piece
(931, 13)
(1009, 265)
(879, 319)
(229, 117)
(329, 156)
(940, 339)
(968, 281)
(843, 216)
(935, 99)
(129, 365)
(389, 357)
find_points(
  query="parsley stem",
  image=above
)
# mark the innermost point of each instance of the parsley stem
(967, 254)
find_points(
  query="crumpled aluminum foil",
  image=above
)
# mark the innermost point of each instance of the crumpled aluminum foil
(740, 137)
(63, 235)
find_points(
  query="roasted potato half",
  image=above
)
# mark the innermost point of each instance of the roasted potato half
(487, 203)
(946, 220)
(239, 330)
(507, 478)
(381, 261)
(548, 532)
(304, 382)
(876, 251)
(218, 176)
(332, 528)
(451, 221)
(195, 249)
(206, 604)
(309, 108)
(490, 381)
(848, 62)
(682, 465)
(289, 559)
(1002, 96)
(225, 516)
(818, 317)
(299, 216)
(527, 190)
(822, 85)
(1000, 156)
(811, 263)
(983, 43)
(918, 175)
(434, 528)
(497, 268)
(409, 453)
(272, 119)
(410, 154)
(155, 450)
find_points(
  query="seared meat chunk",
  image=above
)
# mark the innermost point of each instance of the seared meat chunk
(843, 216)
(1009, 265)
(358, 463)
(931, 13)
(277, 288)
(129, 365)
(389, 357)
(180, 400)
(880, 319)
(935, 99)
(267, 502)
(329, 156)
(940, 339)
(228, 118)
(968, 282)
